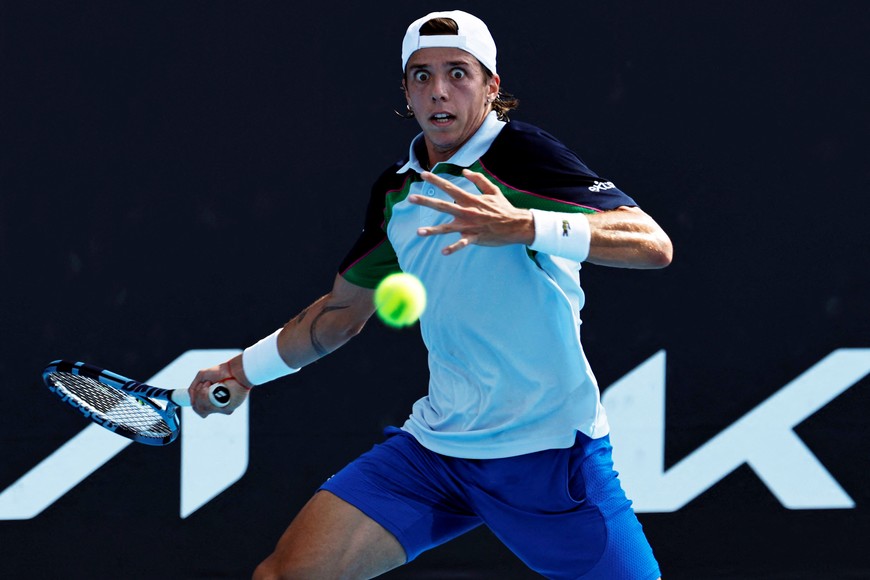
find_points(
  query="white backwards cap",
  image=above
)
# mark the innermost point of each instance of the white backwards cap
(474, 38)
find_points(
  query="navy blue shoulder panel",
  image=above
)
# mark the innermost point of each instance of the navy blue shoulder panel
(526, 158)
(373, 233)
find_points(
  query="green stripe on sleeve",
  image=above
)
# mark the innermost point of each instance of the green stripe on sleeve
(369, 270)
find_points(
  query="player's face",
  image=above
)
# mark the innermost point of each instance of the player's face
(450, 94)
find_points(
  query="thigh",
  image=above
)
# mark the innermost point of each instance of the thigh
(330, 538)
(568, 516)
(627, 554)
(408, 490)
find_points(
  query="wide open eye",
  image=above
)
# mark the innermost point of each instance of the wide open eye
(421, 76)
(457, 73)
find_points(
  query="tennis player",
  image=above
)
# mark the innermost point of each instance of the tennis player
(495, 218)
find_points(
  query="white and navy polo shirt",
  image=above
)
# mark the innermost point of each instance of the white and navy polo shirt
(508, 374)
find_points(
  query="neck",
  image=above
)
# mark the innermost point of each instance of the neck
(434, 156)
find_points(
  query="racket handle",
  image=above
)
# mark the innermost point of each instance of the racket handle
(218, 395)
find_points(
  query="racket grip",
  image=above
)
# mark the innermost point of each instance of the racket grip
(218, 395)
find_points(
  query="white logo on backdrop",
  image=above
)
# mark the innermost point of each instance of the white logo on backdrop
(764, 439)
(214, 452)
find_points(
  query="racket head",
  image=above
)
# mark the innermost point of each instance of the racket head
(98, 395)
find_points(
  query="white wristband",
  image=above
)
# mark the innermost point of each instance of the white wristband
(566, 235)
(263, 363)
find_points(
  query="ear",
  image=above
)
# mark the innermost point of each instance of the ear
(492, 85)
(405, 91)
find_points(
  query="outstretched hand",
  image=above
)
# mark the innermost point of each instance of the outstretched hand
(488, 219)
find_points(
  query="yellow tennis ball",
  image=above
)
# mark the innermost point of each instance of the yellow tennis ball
(400, 299)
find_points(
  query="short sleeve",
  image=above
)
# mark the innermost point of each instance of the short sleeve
(527, 159)
(372, 257)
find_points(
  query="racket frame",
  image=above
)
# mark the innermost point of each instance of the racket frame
(142, 392)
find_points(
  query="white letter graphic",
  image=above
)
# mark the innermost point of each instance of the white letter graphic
(763, 439)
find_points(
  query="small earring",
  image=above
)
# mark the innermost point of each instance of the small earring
(408, 115)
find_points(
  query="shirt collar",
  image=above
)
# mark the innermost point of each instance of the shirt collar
(471, 151)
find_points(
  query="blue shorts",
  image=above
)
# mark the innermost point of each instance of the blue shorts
(561, 511)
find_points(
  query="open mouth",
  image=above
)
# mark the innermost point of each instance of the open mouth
(441, 118)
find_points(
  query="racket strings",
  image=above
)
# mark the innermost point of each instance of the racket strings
(112, 405)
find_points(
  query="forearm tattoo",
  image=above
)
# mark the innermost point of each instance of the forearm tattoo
(301, 316)
(318, 346)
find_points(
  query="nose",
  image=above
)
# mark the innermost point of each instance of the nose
(439, 90)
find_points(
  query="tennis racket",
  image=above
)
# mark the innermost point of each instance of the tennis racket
(122, 405)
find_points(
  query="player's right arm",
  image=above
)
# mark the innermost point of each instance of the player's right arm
(324, 326)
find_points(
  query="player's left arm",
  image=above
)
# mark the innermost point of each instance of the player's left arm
(627, 237)
(624, 237)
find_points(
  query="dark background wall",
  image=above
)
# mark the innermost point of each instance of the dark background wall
(179, 175)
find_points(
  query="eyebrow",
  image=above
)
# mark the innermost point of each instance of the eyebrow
(453, 63)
